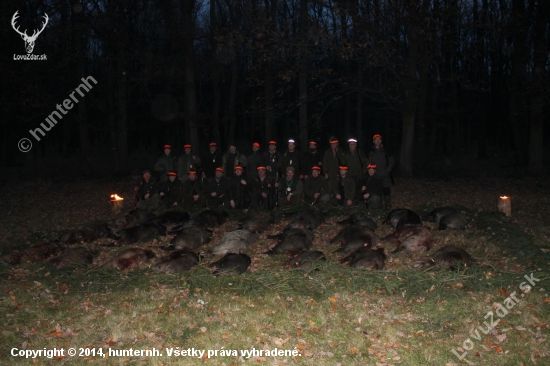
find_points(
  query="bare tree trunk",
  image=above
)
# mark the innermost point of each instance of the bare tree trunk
(359, 120)
(190, 101)
(122, 126)
(215, 76)
(536, 148)
(303, 73)
(232, 100)
(270, 126)
(82, 110)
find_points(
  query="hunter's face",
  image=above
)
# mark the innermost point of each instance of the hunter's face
(212, 149)
(315, 173)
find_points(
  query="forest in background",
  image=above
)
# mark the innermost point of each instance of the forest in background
(434, 77)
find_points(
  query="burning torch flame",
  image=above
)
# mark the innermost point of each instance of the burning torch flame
(116, 197)
(504, 197)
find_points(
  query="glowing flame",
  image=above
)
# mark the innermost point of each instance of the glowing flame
(504, 197)
(116, 197)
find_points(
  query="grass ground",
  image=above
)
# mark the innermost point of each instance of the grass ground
(329, 316)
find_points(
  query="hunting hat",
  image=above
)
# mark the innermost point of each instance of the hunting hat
(212, 144)
(192, 172)
(261, 168)
(290, 169)
(313, 143)
(145, 171)
(219, 169)
(371, 166)
(377, 136)
(172, 174)
(291, 140)
(272, 142)
(343, 167)
(238, 167)
(352, 140)
(167, 147)
(333, 140)
(315, 167)
(187, 146)
(257, 144)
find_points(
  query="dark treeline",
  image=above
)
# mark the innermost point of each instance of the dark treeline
(433, 77)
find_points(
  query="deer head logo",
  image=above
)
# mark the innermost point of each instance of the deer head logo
(29, 41)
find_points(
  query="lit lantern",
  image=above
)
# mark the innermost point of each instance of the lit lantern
(116, 203)
(505, 205)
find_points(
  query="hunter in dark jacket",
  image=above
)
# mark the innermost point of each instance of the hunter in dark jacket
(271, 159)
(290, 189)
(232, 158)
(344, 191)
(311, 158)
(217, 190)
(166, 163)
(292, 158)
(253, 161)
(193, 192)
(384, 162)
(188, 161)
(239, 189)
(171, 192)
(332, 160)
(147, 192)
(262, 189)
(315, 187)
(372, 189)
(211, 161)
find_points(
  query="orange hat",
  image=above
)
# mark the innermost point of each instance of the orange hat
(168, 147)
(371, 166)
(312, 143)
(272, 142)
(257, 144)
(212, 144)
(343, 167)
(172, 174)
(218, 169)
(261, 168)
(377, 135)
(238, 167)
(315, 167)
(192, 172)
(333, 140)
(187, 146)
